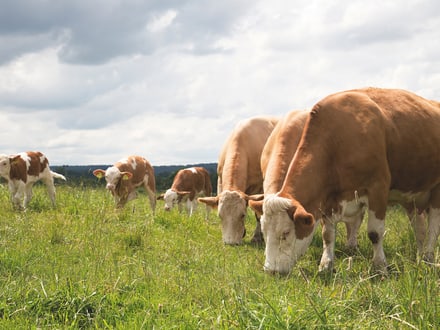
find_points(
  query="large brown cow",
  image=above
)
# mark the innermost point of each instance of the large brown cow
(125, 176)
(239, 175)
(187, 185)
(22, 171)
(359, 148)
(275, 160)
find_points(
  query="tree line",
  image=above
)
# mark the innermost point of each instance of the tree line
(83, 174)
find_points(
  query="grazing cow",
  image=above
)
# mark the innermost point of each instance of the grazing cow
(359, 148)
(187, 185)
(125, 176)
(22, 171)
(239, 175)
(276, 157)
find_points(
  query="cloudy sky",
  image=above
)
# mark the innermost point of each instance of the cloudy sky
(91, 81)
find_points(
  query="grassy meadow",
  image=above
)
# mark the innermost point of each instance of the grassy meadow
(86, 265)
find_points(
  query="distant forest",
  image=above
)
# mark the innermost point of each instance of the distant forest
(83, 174)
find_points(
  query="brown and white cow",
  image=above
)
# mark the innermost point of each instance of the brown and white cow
(188, 183)
(22, 171)
(359, 148)
(239, 175)
(275, 160)
(125, 176)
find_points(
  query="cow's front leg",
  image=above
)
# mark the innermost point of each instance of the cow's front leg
(191, 206)
(328, 242)
(15, 199)
(376, 229)
(17, 193)
(257, 238)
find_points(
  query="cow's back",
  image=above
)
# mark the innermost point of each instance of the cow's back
(280, 148)
(361, 137)
(239, 161)
(137, 166)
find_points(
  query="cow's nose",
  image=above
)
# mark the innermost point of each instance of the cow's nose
(167, 208)
(110, 186)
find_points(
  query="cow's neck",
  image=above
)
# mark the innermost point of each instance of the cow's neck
(308, 179)
(235, 174)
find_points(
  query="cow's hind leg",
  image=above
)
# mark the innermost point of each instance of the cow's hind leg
(432, 234)
(27, 194)
(418, 223)
(352, 225)
(208, 210)
(152, 199)
(48, 181)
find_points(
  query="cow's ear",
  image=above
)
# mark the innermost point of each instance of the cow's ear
(210, 201)
(256, 197)
(304, 222)
(160, 197)
(126, 175)
(256, 206)
(99, 173)
(183, 193)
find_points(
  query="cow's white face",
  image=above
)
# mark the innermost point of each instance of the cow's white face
(171, 198)
(232, 210)
(5, 166)
(112, 176)
(283, 248)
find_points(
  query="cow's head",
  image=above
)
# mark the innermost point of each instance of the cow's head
(172, 198)
(232, 210)
(288, 231)
(118, 183)
(5, 165)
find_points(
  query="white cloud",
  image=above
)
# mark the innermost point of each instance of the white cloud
(160, 23)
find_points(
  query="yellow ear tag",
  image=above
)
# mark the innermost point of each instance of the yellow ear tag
(99, 176)
(125, 177)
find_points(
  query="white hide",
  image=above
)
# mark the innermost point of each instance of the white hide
(171, 198)
(283, 249)
(232, 211)
(112, 177)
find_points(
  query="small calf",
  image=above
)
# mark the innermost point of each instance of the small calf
(187, 185)
(22, 171)
(125, 176)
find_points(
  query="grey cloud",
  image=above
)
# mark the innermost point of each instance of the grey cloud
(97, 31)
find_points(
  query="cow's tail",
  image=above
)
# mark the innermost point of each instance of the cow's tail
(58, 175)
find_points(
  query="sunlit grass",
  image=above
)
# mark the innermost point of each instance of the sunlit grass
(86, 265)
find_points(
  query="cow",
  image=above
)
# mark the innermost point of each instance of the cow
(276, 157)
(22, 170)
(125, 176)
(239, 176)
(188, 183)
(362, 148)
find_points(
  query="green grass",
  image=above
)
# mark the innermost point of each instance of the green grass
(87, 265)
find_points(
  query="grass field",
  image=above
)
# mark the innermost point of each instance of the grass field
(87, 265)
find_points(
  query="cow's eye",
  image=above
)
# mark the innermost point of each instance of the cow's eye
(284, 235)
